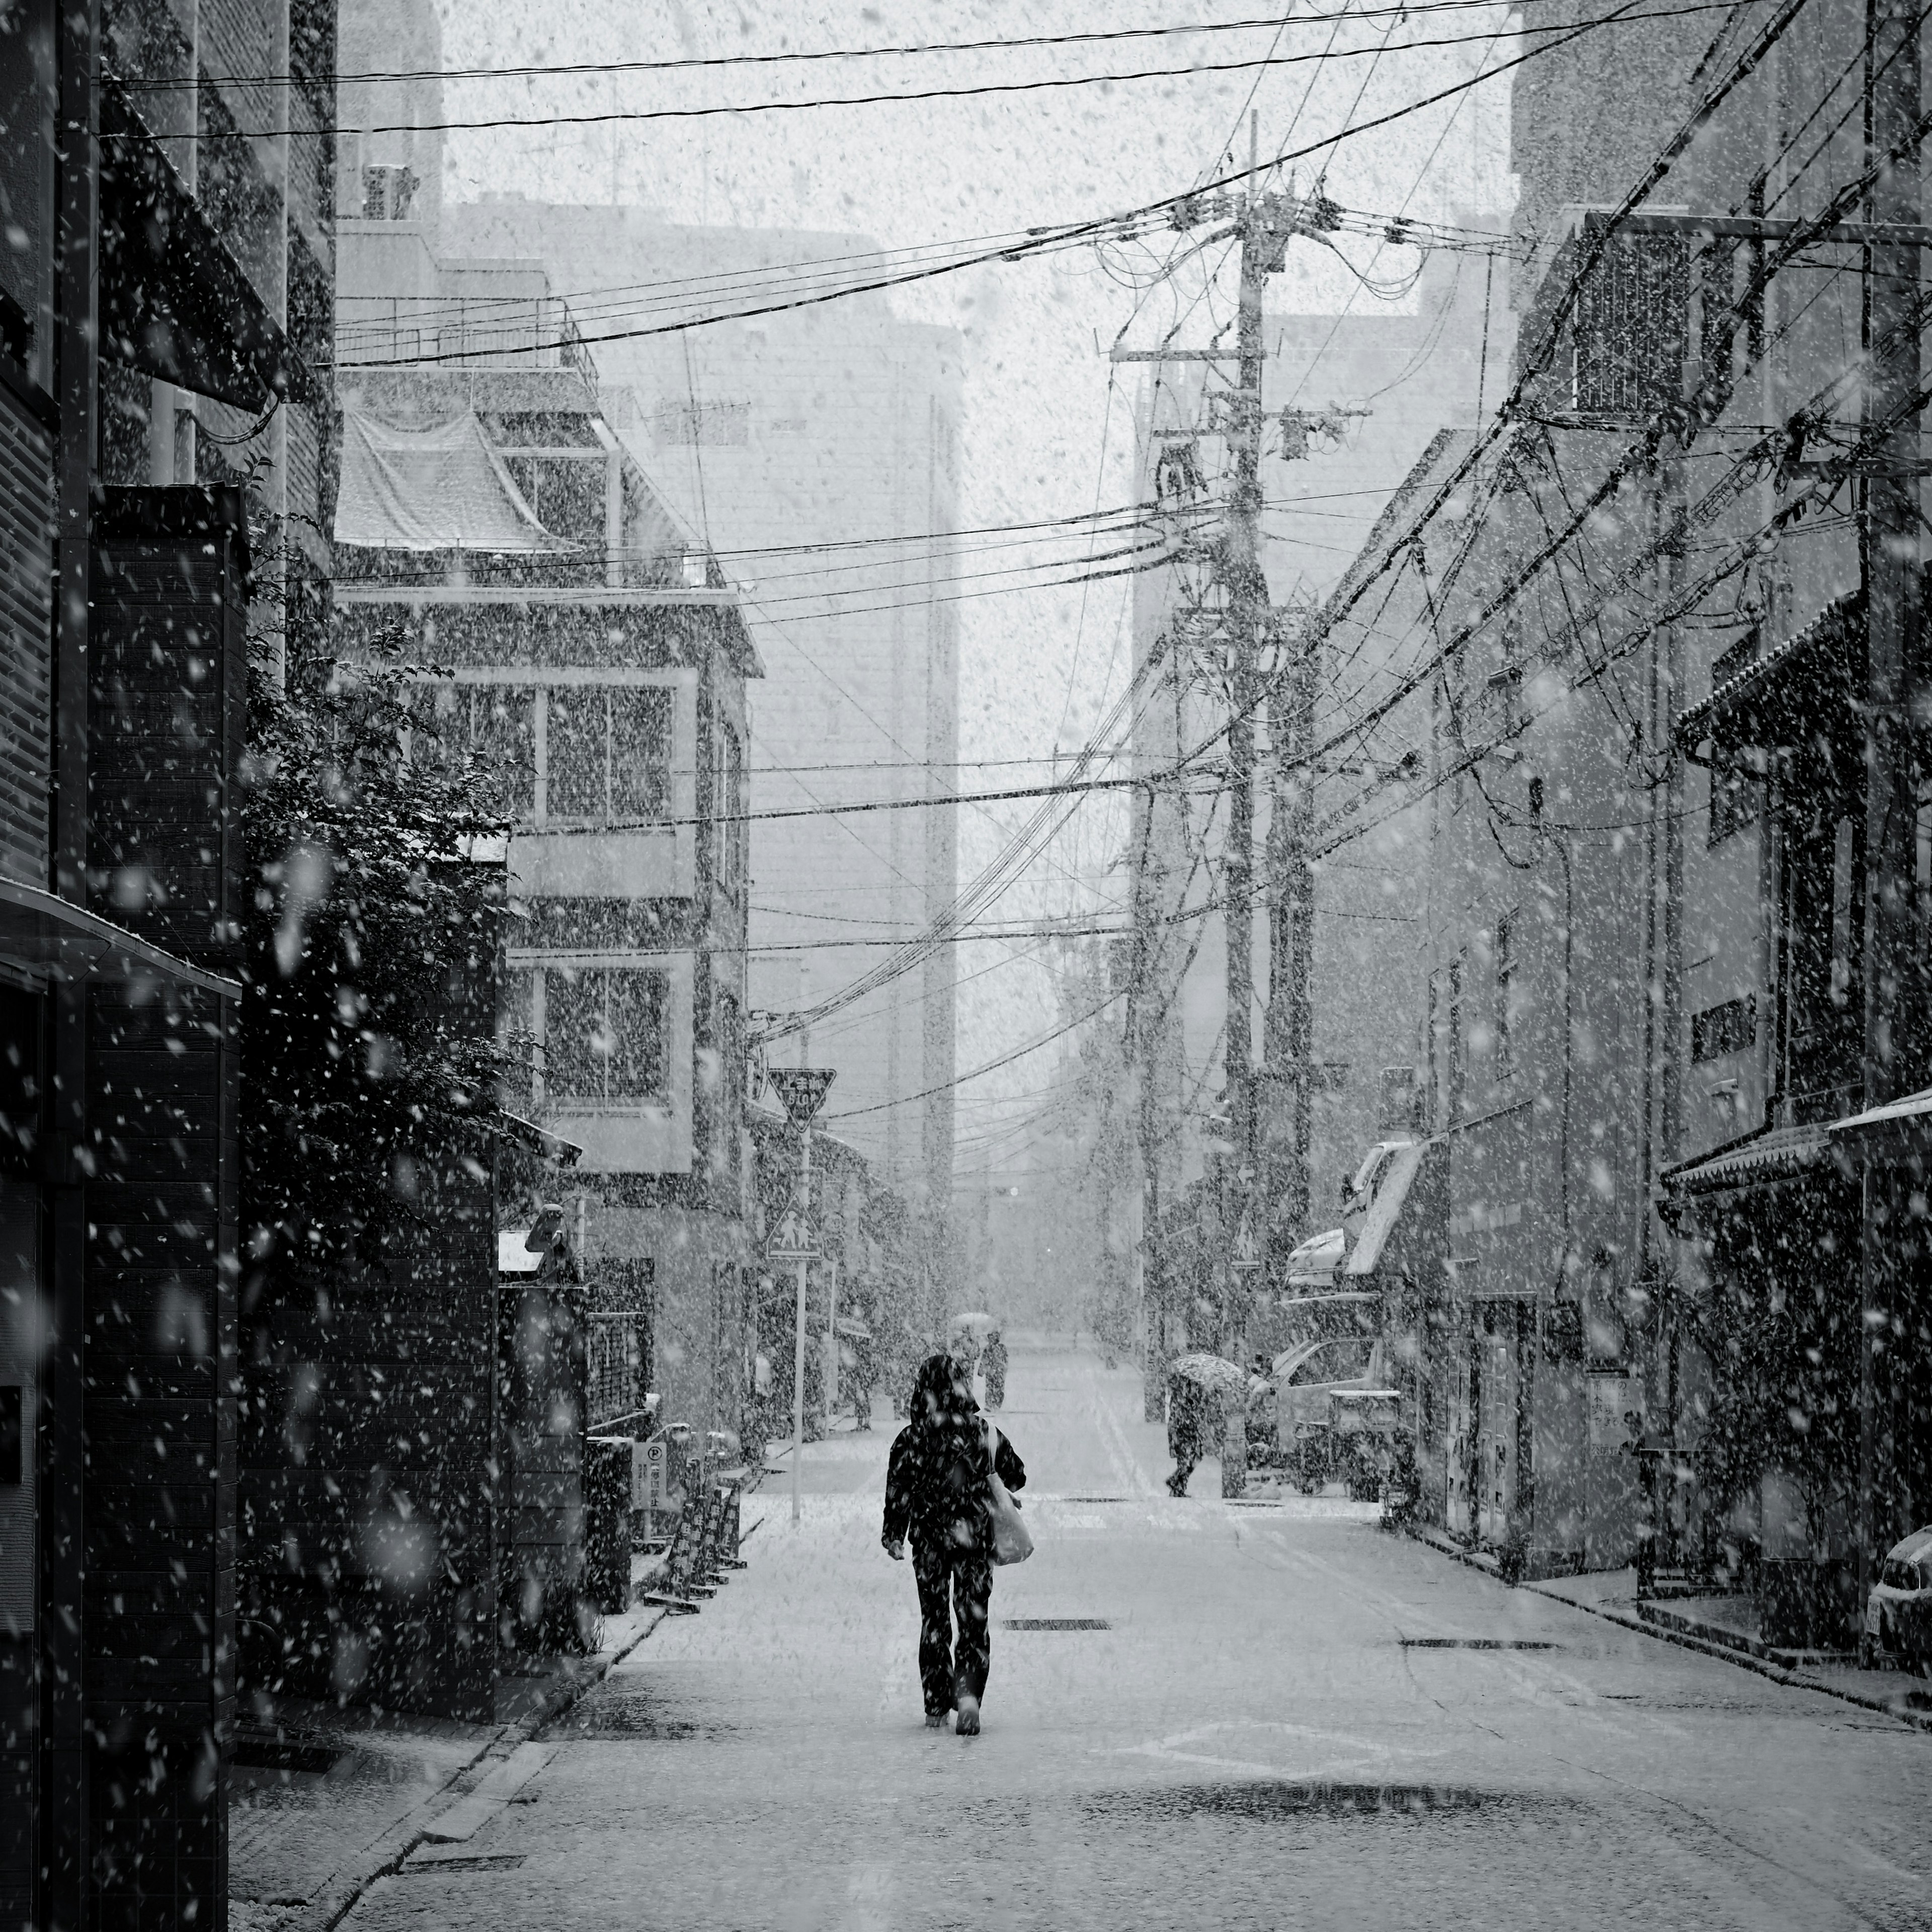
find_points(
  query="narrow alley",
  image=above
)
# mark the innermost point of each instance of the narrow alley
(1200, 1713)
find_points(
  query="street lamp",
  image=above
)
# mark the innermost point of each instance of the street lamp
(802, 1091)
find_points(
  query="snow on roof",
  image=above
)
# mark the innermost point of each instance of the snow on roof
(1379, 1222)
(1317, 1257)
(512, 1256)
(1910, 1107)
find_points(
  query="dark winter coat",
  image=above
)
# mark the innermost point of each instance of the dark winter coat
(1188, 1417)
(936, 1490)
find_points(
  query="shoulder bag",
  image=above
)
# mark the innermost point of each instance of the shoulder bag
(1012, 1541)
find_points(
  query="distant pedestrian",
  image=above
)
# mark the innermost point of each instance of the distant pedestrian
(937, 1494)
(995, 1360)
(1187, 1424)
(864, 1374)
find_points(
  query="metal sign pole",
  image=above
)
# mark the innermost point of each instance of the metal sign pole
(802, 1089)
(798, 1351)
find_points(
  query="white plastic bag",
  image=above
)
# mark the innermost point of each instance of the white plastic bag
(1012, 1543)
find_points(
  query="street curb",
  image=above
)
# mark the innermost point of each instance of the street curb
(343, 1889)
(1920, 1721)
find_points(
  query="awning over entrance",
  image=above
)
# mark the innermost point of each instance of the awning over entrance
(1807, 693)
(53, 938)
(1778, 1153)
(1915, 1109)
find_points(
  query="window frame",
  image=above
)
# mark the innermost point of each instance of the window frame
(679, 787)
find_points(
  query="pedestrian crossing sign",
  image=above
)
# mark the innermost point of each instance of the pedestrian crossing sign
(792, 1239)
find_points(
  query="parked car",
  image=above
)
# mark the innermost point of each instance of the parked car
(1898, 1612)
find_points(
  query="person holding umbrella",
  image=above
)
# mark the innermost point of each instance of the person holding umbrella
(1195, 1386)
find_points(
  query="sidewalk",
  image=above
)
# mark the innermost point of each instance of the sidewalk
(1724, 1626)
(324, 1801)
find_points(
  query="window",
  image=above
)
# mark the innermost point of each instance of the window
(1736, 795)
(516, 1030)
(731, 828)
(1397, 1113)
(1438, 1050)
(731, 1061)
(604, 1034)
(681, 423)
(640, 752)
(1458, 1058)
(1845, 854)
(389, 192)
(1633, 325)
(502, 720)
(608, 752)
(1505, 994)
(1729, 1028)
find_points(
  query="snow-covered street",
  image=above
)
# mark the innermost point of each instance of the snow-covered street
(1199, 1714)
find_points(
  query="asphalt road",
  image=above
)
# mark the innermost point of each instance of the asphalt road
(1289, 1718)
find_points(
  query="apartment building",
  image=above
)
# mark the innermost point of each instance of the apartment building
(492, 518)
(162, 314)
(1669, 1148)
(816, 450)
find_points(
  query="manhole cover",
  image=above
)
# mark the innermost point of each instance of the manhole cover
(1475, 1643)
(1055, 1624)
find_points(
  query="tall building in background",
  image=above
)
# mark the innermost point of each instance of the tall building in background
(816, 452)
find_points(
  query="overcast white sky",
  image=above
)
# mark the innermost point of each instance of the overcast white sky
(1043, 437)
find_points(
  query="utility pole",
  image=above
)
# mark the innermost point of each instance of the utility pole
(1268, 222)
(1264, 224)
(1889, 333)
(1247, 604)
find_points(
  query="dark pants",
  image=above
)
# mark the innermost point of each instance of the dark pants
(1184, 1446)
(952, 1583)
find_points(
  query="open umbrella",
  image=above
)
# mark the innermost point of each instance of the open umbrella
(1214, 1373)
(973, 1322)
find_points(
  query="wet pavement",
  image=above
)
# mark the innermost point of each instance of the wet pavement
(1200, 1713)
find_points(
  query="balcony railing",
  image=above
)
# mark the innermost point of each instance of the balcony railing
(461, 332)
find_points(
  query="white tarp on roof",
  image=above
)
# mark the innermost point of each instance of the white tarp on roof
(430, 489)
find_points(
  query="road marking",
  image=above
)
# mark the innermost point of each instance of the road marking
(869, 1894)
(1125, 1464)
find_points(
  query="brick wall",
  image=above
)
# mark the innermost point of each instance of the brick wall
(26, 617)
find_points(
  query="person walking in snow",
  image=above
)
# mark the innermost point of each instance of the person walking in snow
(994, 1359)
(1188, 1420)
(936, 1498)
